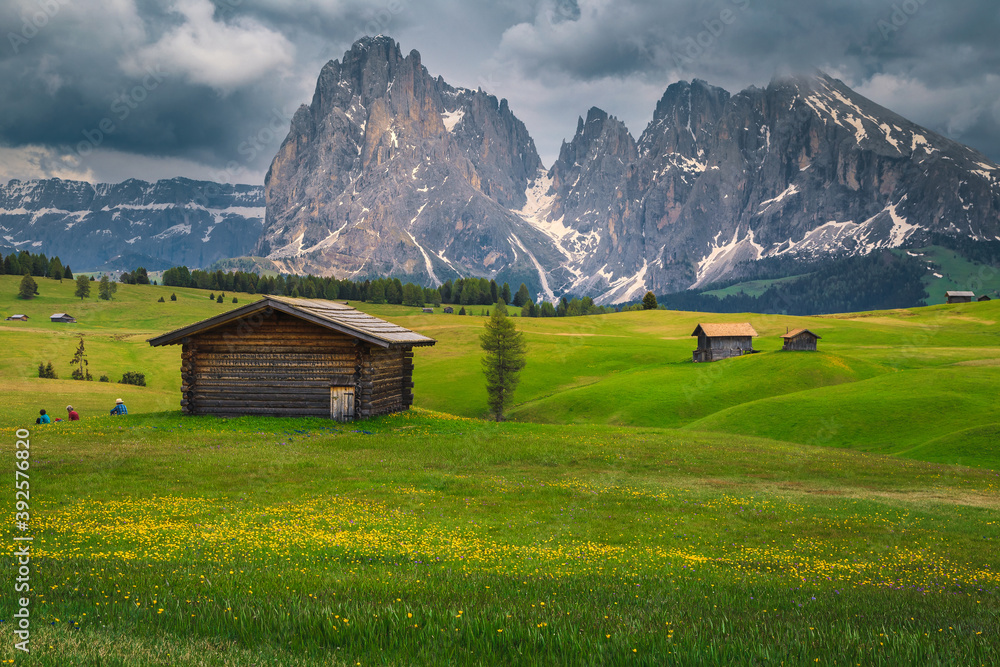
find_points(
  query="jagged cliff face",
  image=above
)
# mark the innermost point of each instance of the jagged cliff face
(805, 168)
(133, 223)
(392, 172)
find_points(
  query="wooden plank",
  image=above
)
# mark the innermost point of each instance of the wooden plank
(278, 412)
(321, 406)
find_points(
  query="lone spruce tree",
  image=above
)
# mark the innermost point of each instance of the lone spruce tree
(503, 360)
(28, 288)
(82, 287)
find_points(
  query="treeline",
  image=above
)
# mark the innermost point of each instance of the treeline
(463, 291)
(879, 281)
(20, 263)
(380, 290)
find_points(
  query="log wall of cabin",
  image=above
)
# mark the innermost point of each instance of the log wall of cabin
(717, 348)
(801, 343)
(391, 381)
(730, 343)
(283, 366)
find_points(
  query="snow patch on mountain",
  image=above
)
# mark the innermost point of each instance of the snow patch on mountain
(574, 245)
(452, 118)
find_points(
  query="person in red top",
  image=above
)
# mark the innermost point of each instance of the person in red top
(73, 414)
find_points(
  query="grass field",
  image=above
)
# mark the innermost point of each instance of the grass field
(792, 508)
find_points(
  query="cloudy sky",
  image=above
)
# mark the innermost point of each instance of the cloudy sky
(105, 90)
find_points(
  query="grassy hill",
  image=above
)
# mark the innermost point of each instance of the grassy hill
(796, 508)
(889, 381)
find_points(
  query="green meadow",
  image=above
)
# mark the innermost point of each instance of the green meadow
(838, 507)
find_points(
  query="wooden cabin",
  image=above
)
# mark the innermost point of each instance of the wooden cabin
(960, 297)
(449, 310)
(429, 311)
(61, 317)
(801, 340)
(984, 297)
(295, 357)
(722, 341)
(18, 318)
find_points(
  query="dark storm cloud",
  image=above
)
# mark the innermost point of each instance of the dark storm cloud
(210, 84)
(900, 52)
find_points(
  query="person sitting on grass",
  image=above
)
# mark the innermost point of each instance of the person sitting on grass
(119, 408)
(43, 418)
(74, 416)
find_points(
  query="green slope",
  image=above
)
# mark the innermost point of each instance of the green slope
(888, 414)
(675, 394)
(875, 385)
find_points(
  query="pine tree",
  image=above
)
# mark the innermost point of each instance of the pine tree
(504, 357)
(376, 293)
(106, 289)
(82, 287)
(56, 269)
(649, 301)
(523, 296)
(67, 273)
(28, 288)
(505, 293)
(81, 372)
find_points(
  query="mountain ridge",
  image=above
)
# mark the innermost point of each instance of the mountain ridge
(108, 225)
(392, 171)
(803, 167)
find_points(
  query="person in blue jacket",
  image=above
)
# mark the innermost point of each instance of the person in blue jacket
(119, 408)
(43, 418)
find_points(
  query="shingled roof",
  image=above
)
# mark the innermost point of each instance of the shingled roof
(337, 317)
(971, 295)
(725, 329)
(795, 332)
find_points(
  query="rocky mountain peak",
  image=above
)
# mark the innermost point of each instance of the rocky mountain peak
(685, 117)
(391, 171)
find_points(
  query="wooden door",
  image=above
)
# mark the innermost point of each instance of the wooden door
(342, 403)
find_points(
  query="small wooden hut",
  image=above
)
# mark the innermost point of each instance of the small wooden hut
(722, 341)
(62, 317)
(984, 297)
(800, 340)
(959, 296)
(449, 310)
(295, 357)
(18, 318)
(429, 311)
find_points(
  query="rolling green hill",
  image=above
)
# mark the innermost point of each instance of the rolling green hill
(893, 381)
(779, 508)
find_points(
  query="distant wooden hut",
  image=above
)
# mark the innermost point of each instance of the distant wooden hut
(960, 297)
(429, 310)
(984, 297)
(800, 340)
(722, 341)
(61, 317)
(18, 317)
(295, 357)
(449, 310)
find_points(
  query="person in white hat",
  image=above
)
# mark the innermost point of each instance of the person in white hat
(74, 416)
(119, 408)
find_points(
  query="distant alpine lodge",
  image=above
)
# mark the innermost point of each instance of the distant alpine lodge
(295, 358)
(723, 341)
(801, 340)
